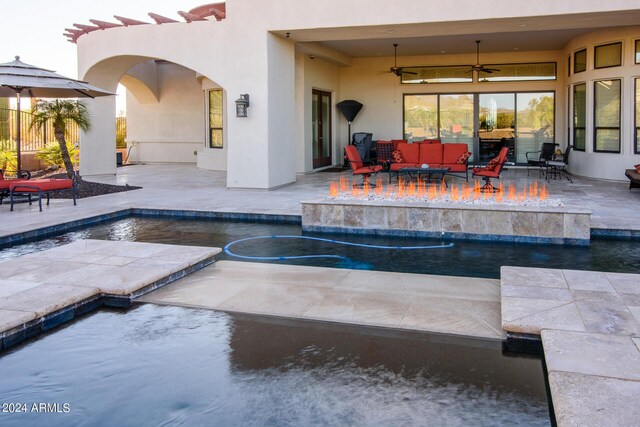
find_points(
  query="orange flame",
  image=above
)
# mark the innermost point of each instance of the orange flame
(455, 194)
(431, 193)
(512, 192)
(333, 189)
(343, 184)
(543, 192)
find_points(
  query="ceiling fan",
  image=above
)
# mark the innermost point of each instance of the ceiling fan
(398, 71)
(479, 67)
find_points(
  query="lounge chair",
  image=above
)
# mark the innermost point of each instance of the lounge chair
(4, 182)
(358, 166)
(41, 187)
(538, 159)
(491, 170)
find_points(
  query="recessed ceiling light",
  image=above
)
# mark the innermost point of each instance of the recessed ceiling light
(443, 51)
(390, 31)
(516, 48)
(522, 25)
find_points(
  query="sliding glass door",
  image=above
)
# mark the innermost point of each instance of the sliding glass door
(486, 122)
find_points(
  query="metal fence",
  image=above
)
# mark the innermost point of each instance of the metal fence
(31, 139)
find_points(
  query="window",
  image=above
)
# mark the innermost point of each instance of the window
(606, 106)
(446, 74)
(608, 55)
(569, 66)
(215, 118)
(637, 51)
(519, 72)
(485, 122)
(580, 61)
(579, 116)
(637, 120)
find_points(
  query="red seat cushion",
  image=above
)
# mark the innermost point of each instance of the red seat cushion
(456, 167)
(398, 166)
(367, 170)
(6, 183)
(44, 185)
(431, 154)
(410, 152)
(453, 151)
(485, 172)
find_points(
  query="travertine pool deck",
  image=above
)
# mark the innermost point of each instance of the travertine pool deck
(41, 290)
(443, 304)
(590, 327)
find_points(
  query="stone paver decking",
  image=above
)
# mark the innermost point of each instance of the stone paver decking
(41, 290)
(590, 327)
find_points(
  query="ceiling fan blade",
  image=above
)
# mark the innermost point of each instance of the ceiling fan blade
(409, 72)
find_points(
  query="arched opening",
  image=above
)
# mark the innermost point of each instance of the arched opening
(173, 115)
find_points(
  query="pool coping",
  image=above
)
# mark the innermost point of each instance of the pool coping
(52, 230)
(19, 333)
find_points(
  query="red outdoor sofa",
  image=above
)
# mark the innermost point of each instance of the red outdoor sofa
(455, 156)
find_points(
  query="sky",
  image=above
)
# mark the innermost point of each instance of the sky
(33, 29)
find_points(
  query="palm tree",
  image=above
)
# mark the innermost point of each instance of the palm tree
(61, 112)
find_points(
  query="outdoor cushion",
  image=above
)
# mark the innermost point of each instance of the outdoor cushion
(367, 170)
(637, 168)
(43, 185)
(396, 142)
(464, 158)
(5, 183)
(354, 158)
(456, 167)
(397, 157)
(410, 152)
(431, 154)
(398, 166)
(493, 163)
(453, 151)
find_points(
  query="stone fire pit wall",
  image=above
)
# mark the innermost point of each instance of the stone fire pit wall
(453, 221)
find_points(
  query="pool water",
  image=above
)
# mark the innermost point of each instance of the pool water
(465, 258)
(155, 365)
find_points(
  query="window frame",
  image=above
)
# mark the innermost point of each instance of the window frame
(636, 52)
(595, 55)
(210, 129)
(636, 127)
(595, 128)
(575, 62)
(555, 72)
(573, 122)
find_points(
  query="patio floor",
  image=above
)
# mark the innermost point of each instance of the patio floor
(185, 187)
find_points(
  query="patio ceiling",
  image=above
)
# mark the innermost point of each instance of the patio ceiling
(457, 37)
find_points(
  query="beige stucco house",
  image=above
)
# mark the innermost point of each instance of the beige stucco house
(548, 71)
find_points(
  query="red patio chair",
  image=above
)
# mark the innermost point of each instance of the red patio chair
(491, 170)
(41, 187)
(358, 166)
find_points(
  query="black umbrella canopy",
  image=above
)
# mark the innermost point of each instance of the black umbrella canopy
(19, 79)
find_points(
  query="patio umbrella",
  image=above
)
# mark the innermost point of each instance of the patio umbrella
(19, 79)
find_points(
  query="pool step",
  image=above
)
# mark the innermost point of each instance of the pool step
(41, 290)
(444, 304)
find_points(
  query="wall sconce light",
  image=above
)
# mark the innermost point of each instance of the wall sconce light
(242, 104)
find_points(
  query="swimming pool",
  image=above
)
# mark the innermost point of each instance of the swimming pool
(155, 365)
(465, 258)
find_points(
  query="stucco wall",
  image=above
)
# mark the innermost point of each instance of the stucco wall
(315, 74)
(382, 93)
(173, 128)
(588, 162)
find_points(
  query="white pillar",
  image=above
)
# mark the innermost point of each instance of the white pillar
(98, 145)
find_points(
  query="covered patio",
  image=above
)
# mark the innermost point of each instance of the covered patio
(187, 188)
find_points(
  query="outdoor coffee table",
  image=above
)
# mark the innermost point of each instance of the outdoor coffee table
(429, 175)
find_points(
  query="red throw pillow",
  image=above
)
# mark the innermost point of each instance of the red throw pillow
(463, 159)
(493, 163)
(397, 156)
(637, 168)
